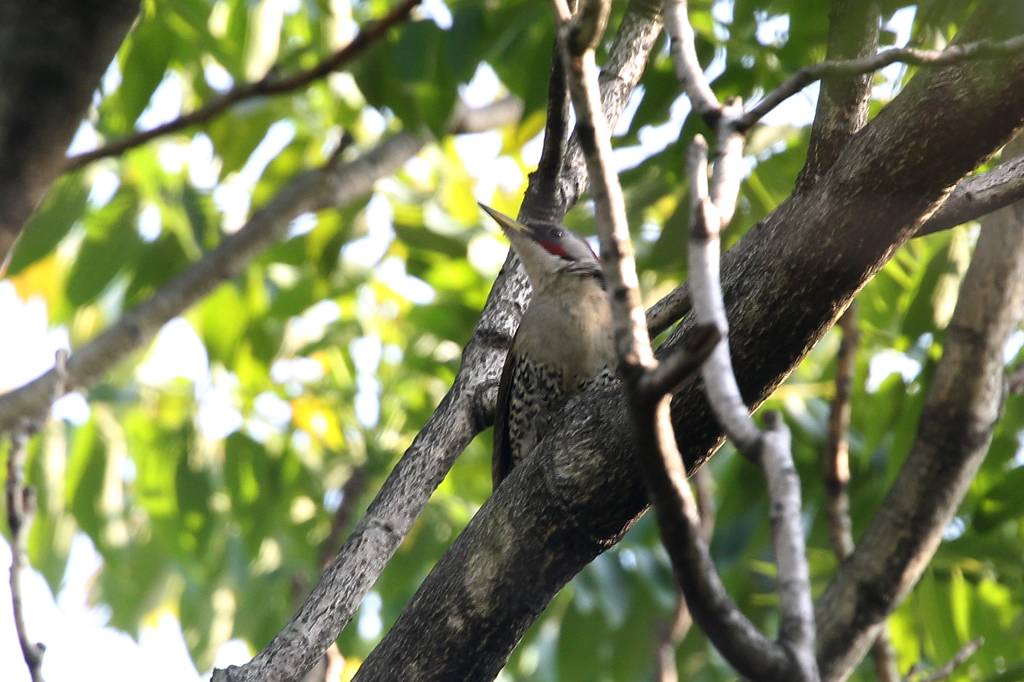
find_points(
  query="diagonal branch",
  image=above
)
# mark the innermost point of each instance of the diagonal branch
(676, 630)
(270, 85)
(961, 656)
(954, 54)
(556, 138)
(978, 196)
(331, 185)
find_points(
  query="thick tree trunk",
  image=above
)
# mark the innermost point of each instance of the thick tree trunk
(52, 54)
(785, 284)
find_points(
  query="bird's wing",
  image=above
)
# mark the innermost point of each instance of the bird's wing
(501, 457)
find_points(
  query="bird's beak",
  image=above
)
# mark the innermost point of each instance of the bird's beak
(508, 225)
(533, 256)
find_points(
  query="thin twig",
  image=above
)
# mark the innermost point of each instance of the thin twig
(269, 85)
(578, 38)
(683, 49)
(20, 508)
(954, 54)
(836, 460)
(961, 656)
(706, 291)
(675, 631)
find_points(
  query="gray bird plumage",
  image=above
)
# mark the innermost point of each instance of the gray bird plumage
(564, 341)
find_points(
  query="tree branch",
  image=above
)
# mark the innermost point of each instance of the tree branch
(954, 54)
(269, 85)
(20, 500)
(556, 137)
(978, 196)
(683, 49)
(465, 411)
(52, 55)
(965, 652)
(842, 107)
(331, 185)
(709, 308)
(772, 448)
(732, 634)
(954, 433)
(682, 621)
(836, 459)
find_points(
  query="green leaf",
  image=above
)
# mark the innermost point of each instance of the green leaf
(422, 237)
(412, 77)
(87, 467)
(158, 262)
(238, 133)
(223, 318)
(142, 70)
(112, 242)
(1001, 502)
(63, 206)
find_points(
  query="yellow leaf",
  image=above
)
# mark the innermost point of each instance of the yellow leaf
(318, 420)
(44, 278)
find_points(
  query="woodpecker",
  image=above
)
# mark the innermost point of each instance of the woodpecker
(564, 341)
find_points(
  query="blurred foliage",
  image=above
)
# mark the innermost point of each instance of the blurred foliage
(210, 496)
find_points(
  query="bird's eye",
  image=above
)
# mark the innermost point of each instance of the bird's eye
(557, 234)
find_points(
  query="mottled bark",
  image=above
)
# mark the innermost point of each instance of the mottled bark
(52, 54)
(842, 107)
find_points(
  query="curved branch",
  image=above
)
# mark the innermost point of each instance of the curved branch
(271, 84)
(683, 49)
